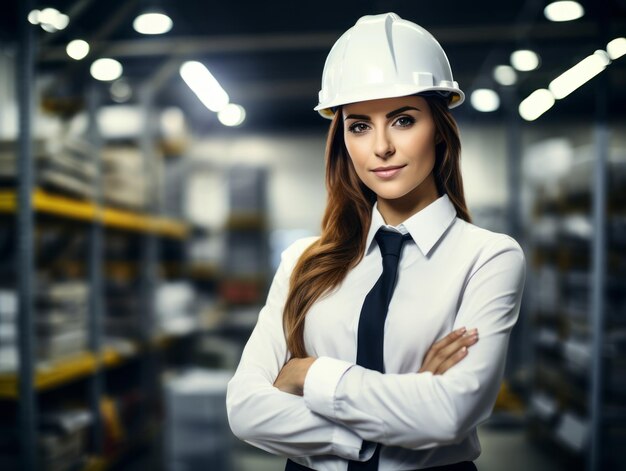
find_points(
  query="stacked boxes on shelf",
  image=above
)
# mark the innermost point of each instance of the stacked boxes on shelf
(60, 326)
(8, 330)
(175, 308)
(124, 179)
(61, 442)
(64, 166)
(63, 438)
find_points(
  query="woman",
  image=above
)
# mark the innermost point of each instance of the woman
(348, 368)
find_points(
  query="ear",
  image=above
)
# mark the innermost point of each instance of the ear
(438, 138)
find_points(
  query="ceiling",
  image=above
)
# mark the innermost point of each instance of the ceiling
(269, 56)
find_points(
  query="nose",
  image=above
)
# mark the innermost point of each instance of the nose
(383, 147)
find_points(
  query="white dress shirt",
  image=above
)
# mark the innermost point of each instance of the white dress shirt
(452, 274)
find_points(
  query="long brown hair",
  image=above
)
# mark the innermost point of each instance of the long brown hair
(325, 263)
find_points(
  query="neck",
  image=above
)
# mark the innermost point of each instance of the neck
(396, 211)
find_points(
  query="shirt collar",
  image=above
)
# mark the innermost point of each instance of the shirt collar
(426, 226)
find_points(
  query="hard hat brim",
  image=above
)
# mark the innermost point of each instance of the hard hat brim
(456, 98)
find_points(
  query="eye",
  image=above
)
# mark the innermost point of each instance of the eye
(358, 128)
(405, 121)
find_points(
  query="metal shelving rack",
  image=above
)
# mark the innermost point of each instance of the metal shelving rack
(25, 203)
(577, 395)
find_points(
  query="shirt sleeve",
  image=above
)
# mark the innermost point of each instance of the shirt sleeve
(263, 415)
(423, 410)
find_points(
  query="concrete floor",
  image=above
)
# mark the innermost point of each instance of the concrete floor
(502, 449)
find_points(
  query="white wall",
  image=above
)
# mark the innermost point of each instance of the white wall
(297, 194)
(483, 164)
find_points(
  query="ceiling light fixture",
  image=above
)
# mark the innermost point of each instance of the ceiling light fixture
(153, 22)
(536, 104)
(77, 49)
(204, 85)
(565, 10)
(485, 100)
(106, 69)
(50, 19)
(505, 75)
(525, 60)
(616, 48)
(579, 74)
(33, 17)
(232, 115)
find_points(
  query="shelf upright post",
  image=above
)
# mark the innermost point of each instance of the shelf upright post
(149, 254)
(517, 356)
(25, 266)
(96, 293)
(598, 256)
(598, 248)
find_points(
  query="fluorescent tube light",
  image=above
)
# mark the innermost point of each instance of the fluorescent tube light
(580, 74)
(536, 104)
(232, 115)
(616, 48)
(204, 85)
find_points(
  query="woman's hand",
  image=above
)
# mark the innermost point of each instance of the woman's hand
(291, 376)
(448, 351)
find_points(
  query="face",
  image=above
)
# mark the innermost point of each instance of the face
(391, 143)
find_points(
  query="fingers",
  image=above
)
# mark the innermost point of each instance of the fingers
(467, 339)
(438, 346)
(449, 351)
(448, 339)
(456, 351)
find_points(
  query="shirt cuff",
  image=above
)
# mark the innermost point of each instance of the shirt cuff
(321, 382)
(346, 443)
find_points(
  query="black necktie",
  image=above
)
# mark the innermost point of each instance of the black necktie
(372, 321)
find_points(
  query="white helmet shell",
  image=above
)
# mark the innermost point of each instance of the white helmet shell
(384, 56)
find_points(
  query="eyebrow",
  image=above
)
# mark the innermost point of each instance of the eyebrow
(388, 115)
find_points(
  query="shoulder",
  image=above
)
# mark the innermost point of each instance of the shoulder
(487, 245)
(292, 253)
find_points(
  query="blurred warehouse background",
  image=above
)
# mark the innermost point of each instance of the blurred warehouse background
(143, 213)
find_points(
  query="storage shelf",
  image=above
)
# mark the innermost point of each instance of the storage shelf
(79, 366)
(63, 206)
(56, 374)
(51, 204)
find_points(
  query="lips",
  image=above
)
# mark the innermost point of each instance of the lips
(388, 172)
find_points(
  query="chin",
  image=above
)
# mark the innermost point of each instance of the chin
(389, 194)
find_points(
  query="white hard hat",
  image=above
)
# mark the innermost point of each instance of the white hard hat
(384, 56)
